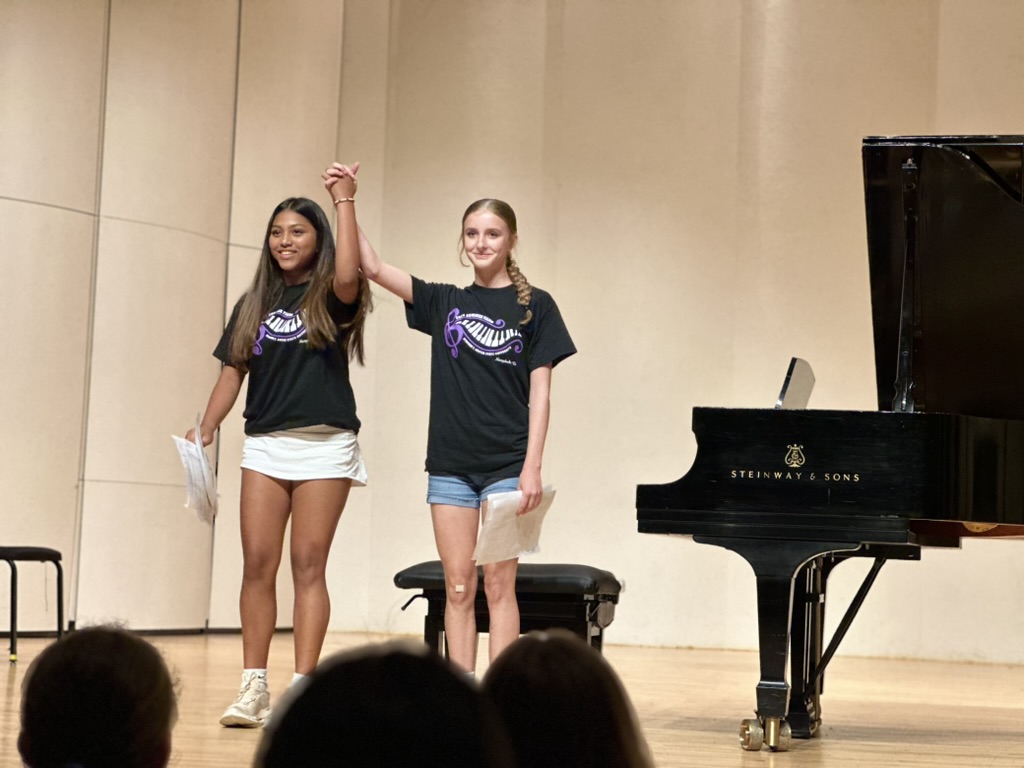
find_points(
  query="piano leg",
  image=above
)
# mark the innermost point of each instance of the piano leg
(806, 643)
(775, 568)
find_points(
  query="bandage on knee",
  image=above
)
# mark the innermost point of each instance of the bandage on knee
(460, 587)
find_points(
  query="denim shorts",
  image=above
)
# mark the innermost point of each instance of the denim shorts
(458, 492)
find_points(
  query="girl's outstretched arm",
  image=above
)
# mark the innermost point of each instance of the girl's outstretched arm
(540, 409)
(341, 186)
(393, 279)
(396, 280)
(224, 394)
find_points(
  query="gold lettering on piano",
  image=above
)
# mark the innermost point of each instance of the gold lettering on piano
(760, 474)
(781, 474)
(842, 477)
(794, 459)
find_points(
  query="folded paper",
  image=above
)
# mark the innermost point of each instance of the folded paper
(200, 482)
(505, 535)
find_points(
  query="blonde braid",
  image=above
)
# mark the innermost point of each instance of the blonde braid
(523, 287)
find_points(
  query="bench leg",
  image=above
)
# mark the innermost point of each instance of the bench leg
(60, 599)
(14, 612)
(14, 606)
(433, 630)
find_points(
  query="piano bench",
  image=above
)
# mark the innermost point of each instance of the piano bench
(579, 598)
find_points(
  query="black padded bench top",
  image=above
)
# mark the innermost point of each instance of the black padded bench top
(531, 578)
(32, 554)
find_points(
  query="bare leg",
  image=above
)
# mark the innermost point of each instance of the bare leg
(316, 509)
(455, 530)
(265, 502)
(502, 606)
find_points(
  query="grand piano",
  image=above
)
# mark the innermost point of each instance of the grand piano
(796, 492)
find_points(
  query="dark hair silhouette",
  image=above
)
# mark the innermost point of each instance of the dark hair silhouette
(563, 704)
(100, 697)
(388, 706)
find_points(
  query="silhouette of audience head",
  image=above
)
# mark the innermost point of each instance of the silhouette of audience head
(99, 697)
(390, 705)
(563, 704)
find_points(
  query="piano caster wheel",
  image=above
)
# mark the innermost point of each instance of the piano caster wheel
(777, 734)
(751, 734)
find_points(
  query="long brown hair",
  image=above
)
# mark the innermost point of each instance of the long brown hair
(504, 211)
(268, 286)
(586, 717)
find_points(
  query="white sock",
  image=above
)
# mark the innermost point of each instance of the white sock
(248, 674)
(296, 677)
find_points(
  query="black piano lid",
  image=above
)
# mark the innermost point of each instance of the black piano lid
(967, 290)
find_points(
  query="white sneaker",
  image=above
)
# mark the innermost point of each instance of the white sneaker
(251, 707)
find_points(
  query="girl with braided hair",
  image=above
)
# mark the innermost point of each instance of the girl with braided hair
(494, 344)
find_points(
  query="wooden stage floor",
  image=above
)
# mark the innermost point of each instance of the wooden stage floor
(891, 713)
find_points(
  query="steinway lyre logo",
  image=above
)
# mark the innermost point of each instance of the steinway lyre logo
(795, 456)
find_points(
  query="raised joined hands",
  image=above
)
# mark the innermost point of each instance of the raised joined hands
(340, 180)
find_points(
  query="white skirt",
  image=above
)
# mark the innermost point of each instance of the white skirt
(309, 453)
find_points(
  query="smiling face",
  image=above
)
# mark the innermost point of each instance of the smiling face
(487, 241)
(292, 243)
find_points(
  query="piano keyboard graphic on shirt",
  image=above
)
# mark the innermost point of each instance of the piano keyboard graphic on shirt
(279, 325)
(481, 334)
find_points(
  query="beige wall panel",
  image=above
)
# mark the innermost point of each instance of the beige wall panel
(363, 111)
(350, 570)
(395, 530)
(402, 533)
(467, 117)
(145, 559)
(645, 147)
(170, 110)
(348, 574)
(51, 78)
(286, 126)
(818, 78)
(980, 67)
(159, 295)
(46, 301)
(226, 579)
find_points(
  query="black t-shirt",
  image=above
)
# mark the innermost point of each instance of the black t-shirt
(291, 385)
(481, 359)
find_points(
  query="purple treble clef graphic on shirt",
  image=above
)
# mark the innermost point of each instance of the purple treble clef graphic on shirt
(481, 334)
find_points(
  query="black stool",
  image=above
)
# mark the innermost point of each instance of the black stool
(579, 598)
(36, 555)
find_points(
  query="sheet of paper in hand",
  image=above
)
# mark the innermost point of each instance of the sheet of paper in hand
(503, 535)
(200, 483)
